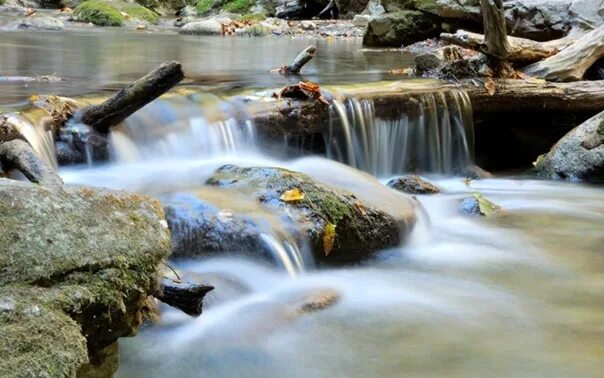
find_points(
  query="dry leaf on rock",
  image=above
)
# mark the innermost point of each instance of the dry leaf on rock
(292, 195)
(329, 236)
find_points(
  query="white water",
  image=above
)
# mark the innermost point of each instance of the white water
(437, 138)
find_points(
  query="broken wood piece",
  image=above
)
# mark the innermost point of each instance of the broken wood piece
(495, 34)
(185, 296)
(520, 49)
(328, 8)
(131, 98)
(571, 63)
(18, 154)
(301, 60)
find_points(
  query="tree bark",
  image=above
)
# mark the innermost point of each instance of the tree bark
(185, 296)
(571, 63)
(520, 49)
(131, 98)
(300, 61)
(18, 154)
(495, 34)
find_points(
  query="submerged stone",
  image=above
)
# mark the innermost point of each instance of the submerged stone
(76, 268)
(340, 227)
(413, 184)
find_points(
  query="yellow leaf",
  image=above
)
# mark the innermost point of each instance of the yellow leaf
(329, 236)
(292, 195)
(489, 84)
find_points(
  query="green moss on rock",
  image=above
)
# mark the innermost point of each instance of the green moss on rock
(238, 6)
(109, 12)
(76, 268)
(360, 229)
(204, 6)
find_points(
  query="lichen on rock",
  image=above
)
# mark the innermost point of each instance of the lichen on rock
(112, 12)
(76, 268)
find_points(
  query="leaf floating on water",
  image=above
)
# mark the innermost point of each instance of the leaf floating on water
(292, 195)
(489, 84)
(486, 207)
(329, 236)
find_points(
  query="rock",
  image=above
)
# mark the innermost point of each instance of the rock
(38, 23)
(374, 8)
(77, 267)
(477, 204)
(413, 184)
(361, 20)
(340, 227)
(112, 12)
(255, 30)
(400, 28)
(308, 25)
(213, 222)
(205, 27)
(534, 19)
(300, 9)
(187, 11)
(579, 155)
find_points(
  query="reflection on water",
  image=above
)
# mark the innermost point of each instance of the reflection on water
(91, 60)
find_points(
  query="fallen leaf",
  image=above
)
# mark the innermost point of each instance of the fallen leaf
(292, 195)
(539, 160)
(65, 10)
(329, 236)
(361, 208)
(487, 208)
(467, 181)
(140, 27)
(489, 84)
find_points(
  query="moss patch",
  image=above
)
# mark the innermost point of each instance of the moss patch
(253, 17)
(204, 6)
(238, 6)
(109, 12)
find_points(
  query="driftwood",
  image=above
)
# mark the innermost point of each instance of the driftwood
(131, 98)
(304, 57)
(571, 63)
(18, 154)
(519, 49)
(495, 35)
(185, 296)
(331, 8)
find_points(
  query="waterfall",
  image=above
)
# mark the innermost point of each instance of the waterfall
(41, 140)
(180, 128)
(436, 136)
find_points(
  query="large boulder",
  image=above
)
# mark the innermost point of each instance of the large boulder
(341, 228)
(579, 155)
(401, 28)
(205, 27)
(38, 23)
(76, 268)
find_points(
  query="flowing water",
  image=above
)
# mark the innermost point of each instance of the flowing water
(518, 295)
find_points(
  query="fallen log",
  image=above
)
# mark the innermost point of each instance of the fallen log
(304, 57)
(131, 98)
(185, 296)
(18, 154)
(520, 49)
(571, 63)
(528, 95)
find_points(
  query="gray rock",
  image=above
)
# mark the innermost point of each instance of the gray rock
(79, 264)
(400, 28)
(340, 227)
(204, 27)
(308, 25)
(413, 184)
(361, 20)
(38, 23)
(579, 155)
(586, 14)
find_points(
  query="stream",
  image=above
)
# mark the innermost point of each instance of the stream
(520, 294)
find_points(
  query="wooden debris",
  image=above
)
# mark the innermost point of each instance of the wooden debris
(300, 61)
(571, 63)
(185, 296)
(131, 98)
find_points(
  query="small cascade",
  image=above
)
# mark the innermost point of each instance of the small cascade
(178, 127)
(437, 136)
(40, 139)
(286, 253)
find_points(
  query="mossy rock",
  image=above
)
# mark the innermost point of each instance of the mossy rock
(109, 12)
(205, 7)
(76, 268)
(341, 228)
(401, 28)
